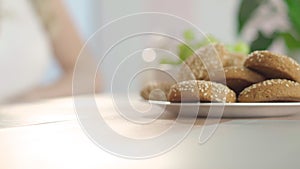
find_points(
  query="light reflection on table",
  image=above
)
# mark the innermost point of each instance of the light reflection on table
(238, 143)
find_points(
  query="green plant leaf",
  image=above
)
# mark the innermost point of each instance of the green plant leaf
(246, 11)
(294, 14)
(263, 42)
(239, 47)
(290, 41)
(188, 35)
(170, 62)
(208, 40)
(185, 51)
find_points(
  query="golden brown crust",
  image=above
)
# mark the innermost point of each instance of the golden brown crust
(273, 66)
(200, 90)
(156, 91)
(205, 59)
(236, 78)
(271, 91)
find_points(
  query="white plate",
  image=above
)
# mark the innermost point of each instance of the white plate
(233, 109)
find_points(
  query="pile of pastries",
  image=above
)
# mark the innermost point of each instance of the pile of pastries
(213, 74)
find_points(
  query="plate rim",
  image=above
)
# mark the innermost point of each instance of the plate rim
(167, 103)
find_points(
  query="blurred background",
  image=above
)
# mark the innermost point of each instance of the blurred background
(212, 17)
(266, 24)
(243, 25)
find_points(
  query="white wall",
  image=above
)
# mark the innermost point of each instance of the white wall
(217, 17)
(212, 16)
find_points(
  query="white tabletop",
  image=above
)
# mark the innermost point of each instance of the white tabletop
(48, 135)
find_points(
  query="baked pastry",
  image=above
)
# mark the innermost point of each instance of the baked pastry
(200, 90)
(271, 91)
(208, 59)
(236, 78)
(273, 66)
(156, 91)
(235, 59)
(205, 59)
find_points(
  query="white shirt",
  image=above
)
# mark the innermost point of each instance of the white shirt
(25, 51)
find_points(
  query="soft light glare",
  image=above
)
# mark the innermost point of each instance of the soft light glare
(149, 55)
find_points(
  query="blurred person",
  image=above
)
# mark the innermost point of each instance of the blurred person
(31, 32)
